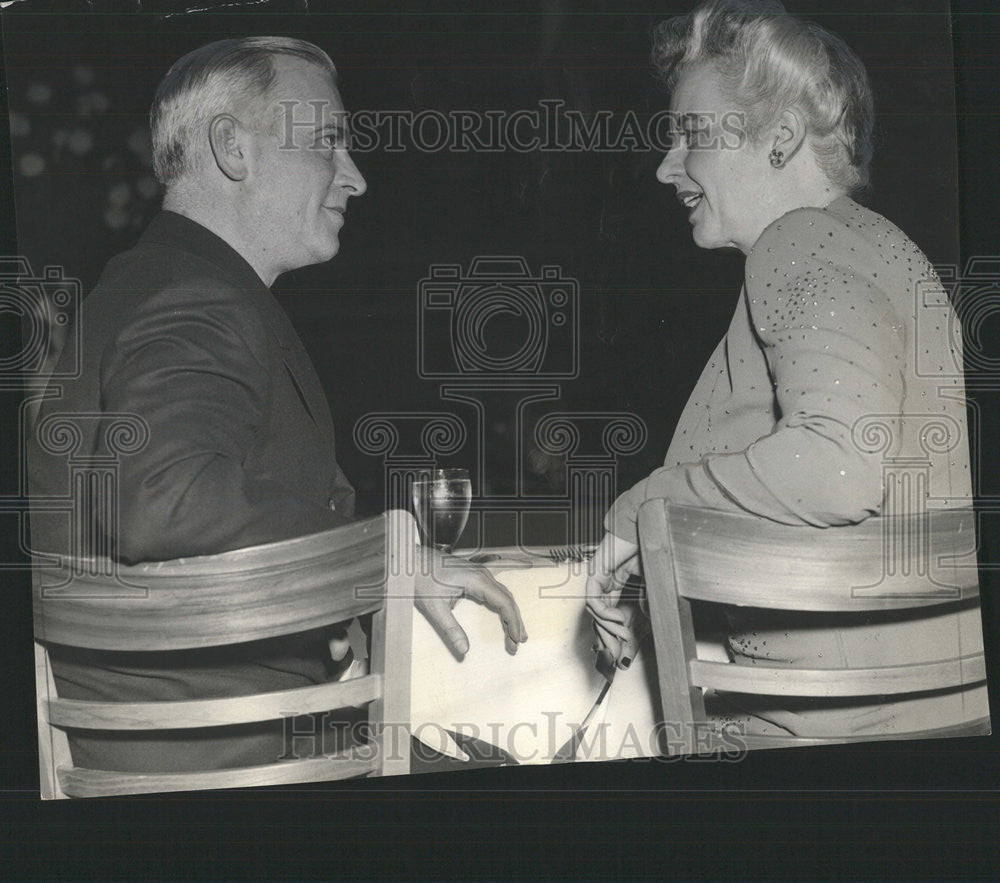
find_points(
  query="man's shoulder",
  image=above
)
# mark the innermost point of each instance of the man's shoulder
(151, 267)
(156, 286)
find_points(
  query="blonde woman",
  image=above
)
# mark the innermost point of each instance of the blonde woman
(822, 344)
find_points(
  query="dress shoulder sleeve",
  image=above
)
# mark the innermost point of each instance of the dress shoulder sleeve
(834, 348)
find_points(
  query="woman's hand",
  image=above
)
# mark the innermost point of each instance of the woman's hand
(614, 561)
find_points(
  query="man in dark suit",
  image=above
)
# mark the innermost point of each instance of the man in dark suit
(182, 331)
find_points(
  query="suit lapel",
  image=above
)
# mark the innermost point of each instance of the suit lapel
(298, 389)
(296, 362)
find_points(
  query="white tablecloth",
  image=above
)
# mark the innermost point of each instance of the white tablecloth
(531, 703)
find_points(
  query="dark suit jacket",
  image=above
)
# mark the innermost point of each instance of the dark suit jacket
(181, 332)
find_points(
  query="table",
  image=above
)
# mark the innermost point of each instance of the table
(532, 703)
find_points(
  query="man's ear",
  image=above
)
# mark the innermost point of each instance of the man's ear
(790, 132)
(229, 146)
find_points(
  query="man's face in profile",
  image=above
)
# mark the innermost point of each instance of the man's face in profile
(303, 174)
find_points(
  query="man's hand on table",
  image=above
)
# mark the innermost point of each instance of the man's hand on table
(443, 579)
(614, 561)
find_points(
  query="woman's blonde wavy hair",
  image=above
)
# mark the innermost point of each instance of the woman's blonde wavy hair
(769, 61)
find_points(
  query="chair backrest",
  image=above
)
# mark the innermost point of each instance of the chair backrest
(250, 594)
(893, 563)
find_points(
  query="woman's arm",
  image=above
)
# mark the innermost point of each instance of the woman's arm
(835, 351)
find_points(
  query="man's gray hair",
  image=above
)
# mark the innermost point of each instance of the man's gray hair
(228, 76)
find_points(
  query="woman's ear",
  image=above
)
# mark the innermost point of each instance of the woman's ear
(790, 132)
(229, 146)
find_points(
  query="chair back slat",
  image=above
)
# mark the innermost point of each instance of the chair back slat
(250, 594)
(88, 715)
(392, 645)
(245, 595)
(824, 682)
(914, 561)
(880, 564)
(674, 640)
(977, 727)
(82, 782)
(53, 745)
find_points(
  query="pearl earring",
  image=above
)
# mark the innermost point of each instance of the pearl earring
(777, 158)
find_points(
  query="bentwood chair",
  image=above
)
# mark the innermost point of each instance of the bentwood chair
(882, 564)
(255, 593)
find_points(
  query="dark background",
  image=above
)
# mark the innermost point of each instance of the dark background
(653, 308)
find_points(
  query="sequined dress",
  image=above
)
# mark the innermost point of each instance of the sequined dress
(842, 328)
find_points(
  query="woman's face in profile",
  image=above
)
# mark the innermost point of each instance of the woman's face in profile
(721, 179)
